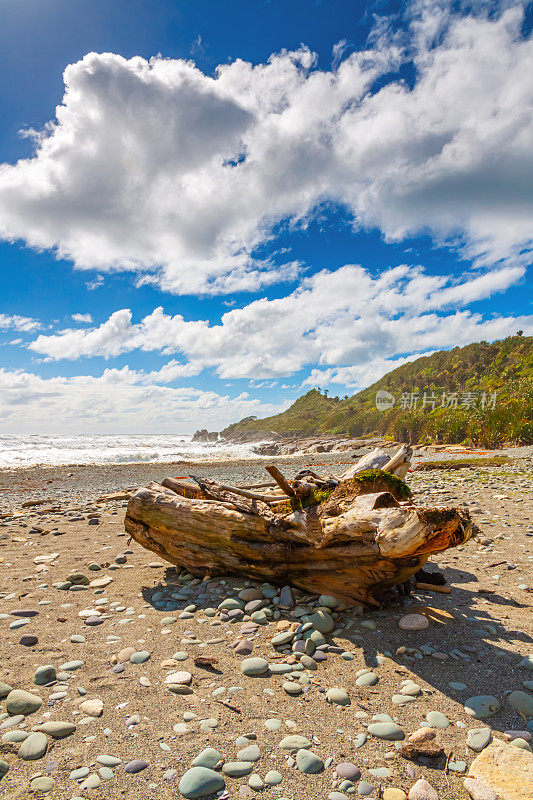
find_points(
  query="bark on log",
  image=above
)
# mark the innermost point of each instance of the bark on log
(355, 555)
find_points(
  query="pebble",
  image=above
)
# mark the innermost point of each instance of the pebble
(44, 675)
(386, 730)
(522, 702)
(308, 762)
(137, 765)
(140, 657)
(207, 758)
(253, 667)
(295, 742)
(4, 767)
(58, 730)
(292, 688)
(250, 753)
(347, 770)
(436, 719)
(422, 790)
(91, 782)
(108, 761)
(34, 747)
(93, 708)
(20, 702)
(273, 778)
(527, 663)
(79, 773)
(368, 679)
(42, 784)
(478, 738)
(237, 769)
(28, 641)
(338, 696)
(364, 788)
(200, 782)
(481, 706)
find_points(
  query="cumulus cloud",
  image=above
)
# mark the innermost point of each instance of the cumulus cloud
(30, 403)
(17, 323)
(333, 319)
(82, 318)
(360, 375)
(155, 168)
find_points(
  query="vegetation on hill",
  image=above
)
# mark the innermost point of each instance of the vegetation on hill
(481, 394)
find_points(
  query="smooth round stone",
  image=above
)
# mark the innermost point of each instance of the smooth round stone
(20, 702)
(481, 706)
(44, 675)
(436, 719)
(256, 783)
(237, 769)
(457, 687)
(522, 744)
(292, 688)
(181, 678)
(295, 742)
(15, 737)
(137, 765)
(93, 621)
(140, 657)
(338, 696)
(200, 782)
(280, 669)
(522, 702)
(337, 796)
(108, 761)
(422, 790)
(58, 730)
(273, 724)
(402, 699)
(414, 622)
(77, 638)
(309, 763)
(4, 767)
(364, 788)
(91, 782)
(5, 689)
(22, 612)
(386, 730)
(380, 772)
(253, 667)
(72, 666)
(527, 663)
(207, 758)
(347, 770)
(394, 794)
(328, 601)
(359, 740)
(28, 641)
(34, 747)
(308, 662)
(411, 689)
(119, 668)
(273, 778)
(230, 604)
(79, 773)
(282, 638)
(322, 621)
(368, 679)
(181, 655)
(42, 784)
(260, 617)
(250, 753)
(106, 773)
(93, 708)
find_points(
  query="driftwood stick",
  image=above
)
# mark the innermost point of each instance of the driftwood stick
(430, 587)
(280, 479)
(265, 498)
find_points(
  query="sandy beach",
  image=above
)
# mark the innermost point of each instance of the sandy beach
(147, 613)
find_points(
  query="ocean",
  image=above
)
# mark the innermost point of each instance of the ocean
(29, 450)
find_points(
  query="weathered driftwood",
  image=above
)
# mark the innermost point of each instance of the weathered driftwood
(355, 546)
(398, 465)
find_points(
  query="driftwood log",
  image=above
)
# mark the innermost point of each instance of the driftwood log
(356, 545)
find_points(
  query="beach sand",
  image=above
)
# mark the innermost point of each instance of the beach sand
(486, 619)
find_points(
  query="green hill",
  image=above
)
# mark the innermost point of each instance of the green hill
(481, 394)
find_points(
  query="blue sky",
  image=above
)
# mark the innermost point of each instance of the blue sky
(206, 209)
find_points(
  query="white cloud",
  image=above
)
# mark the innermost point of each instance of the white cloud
(17, 323)
(113, 402)
(347, 322)
(155, 168)
(82, 318)
(361, 375)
